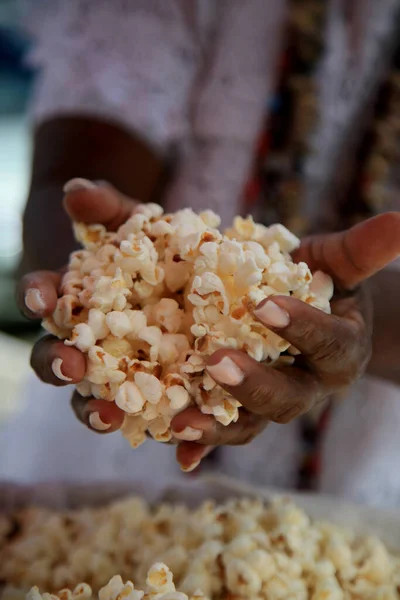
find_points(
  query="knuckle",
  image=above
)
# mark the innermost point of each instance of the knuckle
(285, 417)
(259, 397)
(291, 411)
(247, 437)
(325, 350)
(27, 281)
(355, 364)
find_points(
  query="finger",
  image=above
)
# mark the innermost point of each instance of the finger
(276, 395)
(57, 364)
(354, 255)
(37, 294)
(189, 455)
(333, 345)
(87, 202)
(192, 425)
(99, 416)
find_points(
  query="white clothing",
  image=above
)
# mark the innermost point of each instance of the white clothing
(197, 74)
(45, 442)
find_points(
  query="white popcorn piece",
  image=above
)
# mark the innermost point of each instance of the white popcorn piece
(287, 241)
(134, 430)
(159, 579)
(149, 386)
(118, 323)
(138, 321)
(241, 578)
(150, 210)
(322, 285)
(84, 388)
(119, 348)
(168, 315)
(82, 337)
(103, 367)
(97, 322)
(49, 325)
(161, 228)
(90, 236)
(210, 218)
(160, 430)
(106, 391)
(129, 398)
(150, 412)
(152, 335)
(117, 589)
(178, 396)
(68, 311)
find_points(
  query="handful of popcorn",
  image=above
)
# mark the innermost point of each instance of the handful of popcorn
(149, 303)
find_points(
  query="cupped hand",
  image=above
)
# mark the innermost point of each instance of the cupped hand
(37, 295)
(335, 349)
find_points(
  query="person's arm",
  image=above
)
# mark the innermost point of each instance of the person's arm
(68, 147)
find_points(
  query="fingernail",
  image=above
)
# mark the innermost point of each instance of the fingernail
(56, 368)
(270, 314)
(189, 434)
(102, 183)
(77, 184)
(96, 422)
(191, 467)
(34, 300)
(226, 372)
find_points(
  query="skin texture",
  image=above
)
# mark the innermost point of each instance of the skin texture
(335, 348)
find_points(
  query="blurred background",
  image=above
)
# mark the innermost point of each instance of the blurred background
(16, 334)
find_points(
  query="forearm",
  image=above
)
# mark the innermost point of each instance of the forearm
(79, 147)
(47, 231)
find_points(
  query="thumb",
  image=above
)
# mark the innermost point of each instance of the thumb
(90, 202)
(356, 254)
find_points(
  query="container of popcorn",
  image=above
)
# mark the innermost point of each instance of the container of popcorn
(212, 539)
(149, 303)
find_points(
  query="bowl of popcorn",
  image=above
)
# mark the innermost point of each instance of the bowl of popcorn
(149, 303)
(245, 544)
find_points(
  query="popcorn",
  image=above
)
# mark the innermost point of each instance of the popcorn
(82, 337)
(118, 323)
(150, 387)
(238, 550)
(129, 398)
(159, 583)
(153, 300)
(178, 397)
(97, 322)
(242, 579)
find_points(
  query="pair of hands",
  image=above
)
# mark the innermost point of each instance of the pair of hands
(335, 349)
